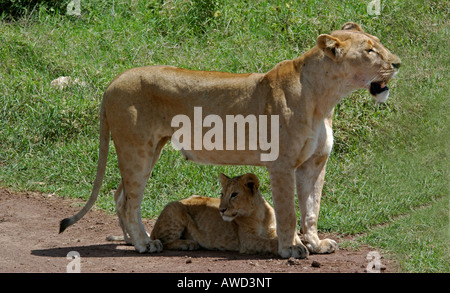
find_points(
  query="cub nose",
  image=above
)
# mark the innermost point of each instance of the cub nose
(396, 65)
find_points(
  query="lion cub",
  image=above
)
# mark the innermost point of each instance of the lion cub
(241, 220)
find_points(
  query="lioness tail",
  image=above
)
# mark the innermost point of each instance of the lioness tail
(101, 167)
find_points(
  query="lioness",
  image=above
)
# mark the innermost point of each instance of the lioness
(241, 220)
(139, 104)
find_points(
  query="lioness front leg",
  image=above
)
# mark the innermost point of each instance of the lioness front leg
(282, 182)
(310, 178)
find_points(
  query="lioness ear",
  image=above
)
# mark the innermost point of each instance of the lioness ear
(223, 179)
(351, 26)
(251, 182)
(331, 46)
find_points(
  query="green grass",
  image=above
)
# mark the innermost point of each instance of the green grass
(420, 239)
(387, 162)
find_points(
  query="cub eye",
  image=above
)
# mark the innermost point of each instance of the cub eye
(370, 51)
(234, 194)
(221, 194)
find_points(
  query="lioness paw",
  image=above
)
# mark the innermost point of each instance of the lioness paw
(324, 246)
(295, 251)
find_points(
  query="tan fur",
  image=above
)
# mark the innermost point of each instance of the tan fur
(139, 104)
(241, 220)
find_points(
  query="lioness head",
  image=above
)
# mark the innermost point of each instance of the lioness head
(363, 55)
(239, 196)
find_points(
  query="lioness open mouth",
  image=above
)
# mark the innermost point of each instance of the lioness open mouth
(377, 88)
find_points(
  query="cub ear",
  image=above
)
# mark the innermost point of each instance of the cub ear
(351, 26)
(251, 182)
(223, 179)
(331, 46)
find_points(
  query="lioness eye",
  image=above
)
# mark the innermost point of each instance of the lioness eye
(234, 194)
(221, 194)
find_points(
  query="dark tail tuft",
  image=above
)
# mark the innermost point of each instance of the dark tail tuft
(64, 224)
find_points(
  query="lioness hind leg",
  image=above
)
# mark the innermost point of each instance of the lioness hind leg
(119, 200)
(136, 163)
(132, 223)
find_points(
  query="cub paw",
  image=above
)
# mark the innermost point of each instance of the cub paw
(154, 246)
(189, 245)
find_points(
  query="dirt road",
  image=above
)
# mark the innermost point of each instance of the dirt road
(30, 242)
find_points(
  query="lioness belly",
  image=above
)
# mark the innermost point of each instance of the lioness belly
(223, 157)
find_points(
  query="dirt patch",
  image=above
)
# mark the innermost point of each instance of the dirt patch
(30, 242)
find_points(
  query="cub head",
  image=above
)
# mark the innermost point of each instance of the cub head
(370, 64)
(239, 196)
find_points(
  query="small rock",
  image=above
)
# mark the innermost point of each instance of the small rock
(315, 264)
(66, 81)
(189, 260)
(291, 261)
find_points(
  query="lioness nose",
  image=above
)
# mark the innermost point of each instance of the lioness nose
(222, 210)
(396, 65)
